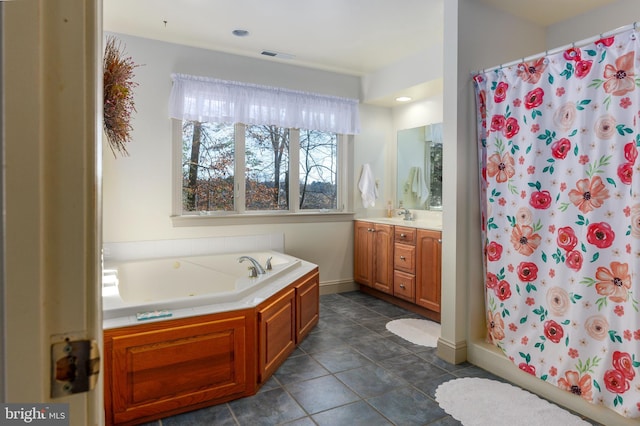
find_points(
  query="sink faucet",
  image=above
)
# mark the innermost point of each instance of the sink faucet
(255, 263)
(406, 213)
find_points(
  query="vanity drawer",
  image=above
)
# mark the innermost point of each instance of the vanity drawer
(405, 235)
(404, 258)
(404, 285)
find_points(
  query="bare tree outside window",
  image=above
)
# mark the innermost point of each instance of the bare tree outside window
(208, 156)
(318, 170)
(267, 168)
(208, 168)
(435, 181)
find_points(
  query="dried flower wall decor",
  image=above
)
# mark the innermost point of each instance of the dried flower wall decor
(118, 102)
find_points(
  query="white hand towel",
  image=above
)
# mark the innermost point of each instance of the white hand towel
(367, 186)
(416, 186)
(421, 185)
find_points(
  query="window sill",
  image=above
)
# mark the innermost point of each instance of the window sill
(260, 218)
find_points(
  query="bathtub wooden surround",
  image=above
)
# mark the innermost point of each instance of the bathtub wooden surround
(154, 370)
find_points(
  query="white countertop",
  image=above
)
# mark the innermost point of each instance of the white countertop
(434, 224)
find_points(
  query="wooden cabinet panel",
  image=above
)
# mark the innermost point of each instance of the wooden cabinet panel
(428, 270)
(383, 258)
(404, 286)
(363, 253)
(276, 333)
(373, 255)
(159, 370)
(307, 305)
(404, 258)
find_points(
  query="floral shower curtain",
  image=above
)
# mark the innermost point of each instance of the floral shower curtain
(560, 199)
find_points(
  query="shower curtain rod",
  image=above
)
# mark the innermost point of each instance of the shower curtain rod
(559, 49)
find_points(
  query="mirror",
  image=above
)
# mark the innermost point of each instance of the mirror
(419, 176)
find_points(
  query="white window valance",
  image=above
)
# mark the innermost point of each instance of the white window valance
(207, 99)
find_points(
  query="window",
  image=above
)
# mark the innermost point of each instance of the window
(210, 165)
(288, 157)
(266, 168)
(318, 170)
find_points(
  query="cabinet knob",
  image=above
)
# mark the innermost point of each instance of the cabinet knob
(402, 286)
(440, 240)
(402, 258)
(402, 235)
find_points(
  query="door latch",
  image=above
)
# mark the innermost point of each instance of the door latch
(75, 366)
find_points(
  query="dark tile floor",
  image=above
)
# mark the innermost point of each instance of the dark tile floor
(349, 371)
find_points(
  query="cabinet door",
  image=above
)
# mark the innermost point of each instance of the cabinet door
(383, 258)
(164, 369)
(363, 253)
(428, 252)
(276, 333)
(307, 306)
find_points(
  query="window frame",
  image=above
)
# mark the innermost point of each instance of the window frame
(241, 215)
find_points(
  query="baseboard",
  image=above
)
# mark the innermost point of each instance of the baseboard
(453, 353)
(329, 287)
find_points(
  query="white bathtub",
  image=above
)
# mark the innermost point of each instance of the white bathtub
(192, 285)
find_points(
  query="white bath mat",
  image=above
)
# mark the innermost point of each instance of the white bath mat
(418, 331)
(479, 402)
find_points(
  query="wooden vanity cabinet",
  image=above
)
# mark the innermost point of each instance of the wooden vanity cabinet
(428, 269)
(373, 255)
(413, 258)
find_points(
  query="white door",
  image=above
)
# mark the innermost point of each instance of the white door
(51, 75)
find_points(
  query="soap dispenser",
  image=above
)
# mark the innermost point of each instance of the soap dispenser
(389, 209)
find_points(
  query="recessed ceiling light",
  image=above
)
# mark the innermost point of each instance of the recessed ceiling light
(403, 99)
(240, 33)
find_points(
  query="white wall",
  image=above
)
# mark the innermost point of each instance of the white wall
(373, 147)
(418, 113)
(413, 70)
(487, 38)
(377, 145)
(607, 18)
(137, 189)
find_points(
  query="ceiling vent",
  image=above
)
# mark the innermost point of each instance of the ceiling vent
(277, 54)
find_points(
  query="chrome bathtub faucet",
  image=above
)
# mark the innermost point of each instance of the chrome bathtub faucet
(253, 272)
(255, 263)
